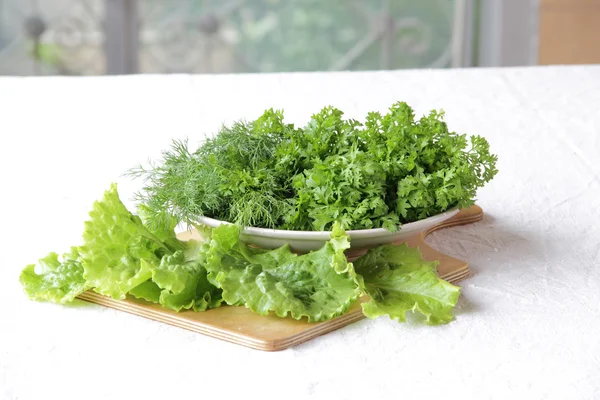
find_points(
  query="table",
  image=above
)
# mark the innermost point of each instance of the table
(528, 320)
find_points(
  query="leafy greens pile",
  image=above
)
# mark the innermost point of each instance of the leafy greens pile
(121, 255)
(334, 174)
(390, 170)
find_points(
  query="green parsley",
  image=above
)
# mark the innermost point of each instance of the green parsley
(389, 170)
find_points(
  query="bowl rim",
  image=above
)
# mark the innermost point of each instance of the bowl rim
(326, 235)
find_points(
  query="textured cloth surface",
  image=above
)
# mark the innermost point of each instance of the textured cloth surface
(528, 320)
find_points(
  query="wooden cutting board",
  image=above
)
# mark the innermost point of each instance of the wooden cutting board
(241, 326)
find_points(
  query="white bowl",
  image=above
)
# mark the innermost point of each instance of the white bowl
(305, 241)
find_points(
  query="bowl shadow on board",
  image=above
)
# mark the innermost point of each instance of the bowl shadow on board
(488, 246)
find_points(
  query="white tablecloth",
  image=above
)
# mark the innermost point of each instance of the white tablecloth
(528, 321)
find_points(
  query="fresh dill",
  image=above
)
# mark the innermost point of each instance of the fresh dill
(390, 170)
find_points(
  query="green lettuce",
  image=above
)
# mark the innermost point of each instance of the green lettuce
(319, 285)
(179, 284)
(397, 280)
(115, 243)
(147, 290)
(54, 278)
(121, 256)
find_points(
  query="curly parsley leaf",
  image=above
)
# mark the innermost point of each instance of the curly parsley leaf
(390, 170)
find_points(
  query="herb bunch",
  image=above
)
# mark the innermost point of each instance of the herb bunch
(389, 170)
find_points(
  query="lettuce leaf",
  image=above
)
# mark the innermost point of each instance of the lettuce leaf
(120, 256)
(397, 280)
(54, 278)
(179, 284)
(319, 285)
(115, 243)
(148, 291)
